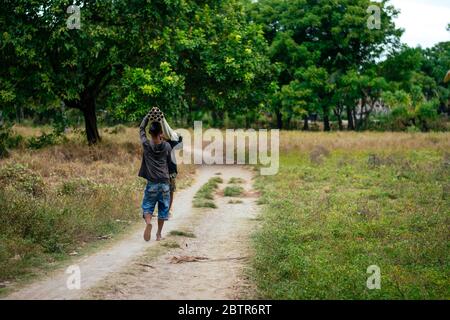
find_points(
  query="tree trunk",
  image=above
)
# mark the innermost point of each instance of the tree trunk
(279, 120)
(90, 121)
(355, 120)
(338, 113)
(305, 123)
(341, 126)
(359, 121)
(326, 121)
(351, 124)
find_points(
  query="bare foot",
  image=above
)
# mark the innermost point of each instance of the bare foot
(148, 232)
(158, 237)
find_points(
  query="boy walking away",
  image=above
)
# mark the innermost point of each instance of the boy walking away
(175, 142)
(155, 169)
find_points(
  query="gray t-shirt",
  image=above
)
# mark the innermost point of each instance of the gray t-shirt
(155, 157)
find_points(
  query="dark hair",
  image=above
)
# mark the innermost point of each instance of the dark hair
(155, 129)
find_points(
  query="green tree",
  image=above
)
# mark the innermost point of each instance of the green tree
(128, 55)
(208, 60)
(70, 65)
(419, 74)
(434, 68)
(329, 35)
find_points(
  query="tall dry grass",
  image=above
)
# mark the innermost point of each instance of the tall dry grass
(367, 141)
(114, 161)
(58, 199)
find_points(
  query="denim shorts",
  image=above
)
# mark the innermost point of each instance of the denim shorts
(156, 193)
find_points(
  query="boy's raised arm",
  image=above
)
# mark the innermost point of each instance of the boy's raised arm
(142, 127)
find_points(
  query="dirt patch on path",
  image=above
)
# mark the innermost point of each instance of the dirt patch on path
(220, 252)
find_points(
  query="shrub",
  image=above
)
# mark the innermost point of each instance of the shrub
(412, 129)
(3, 149)
(118, 129)
(314, 126)
(78, 187)
(427, 112)
(8, 140)
(22, 179)
(45, 140)
(233, 191)
(409, 114)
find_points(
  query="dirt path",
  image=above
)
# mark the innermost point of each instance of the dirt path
(134, 269)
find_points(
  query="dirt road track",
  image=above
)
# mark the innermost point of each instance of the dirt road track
(134, 269)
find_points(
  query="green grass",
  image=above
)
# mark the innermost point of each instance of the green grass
(325, 222)
(41, 225)
(205, 196)
(180, 233)
(233, 191)
(171, 244)
(236, 181)
(201, 203)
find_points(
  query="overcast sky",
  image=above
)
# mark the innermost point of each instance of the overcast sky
(424, 21)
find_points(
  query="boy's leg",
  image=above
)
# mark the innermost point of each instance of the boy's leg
(160, 227)
(171, 201)
(148, 227)
(163, 208)
(148, 206)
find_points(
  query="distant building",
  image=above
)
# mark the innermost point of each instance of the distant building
(378, 108)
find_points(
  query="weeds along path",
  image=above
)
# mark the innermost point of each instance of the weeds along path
(134, 269)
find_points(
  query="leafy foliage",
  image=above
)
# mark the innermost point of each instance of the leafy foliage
(313, 43)
(8, 140)
(229, 62)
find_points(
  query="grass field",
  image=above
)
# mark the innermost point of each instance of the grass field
(345, 201)
(340, 203)
(57, 201)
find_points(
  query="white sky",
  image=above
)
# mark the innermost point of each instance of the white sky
(424, 21)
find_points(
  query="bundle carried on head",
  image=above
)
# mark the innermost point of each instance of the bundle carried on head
(156, 115)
